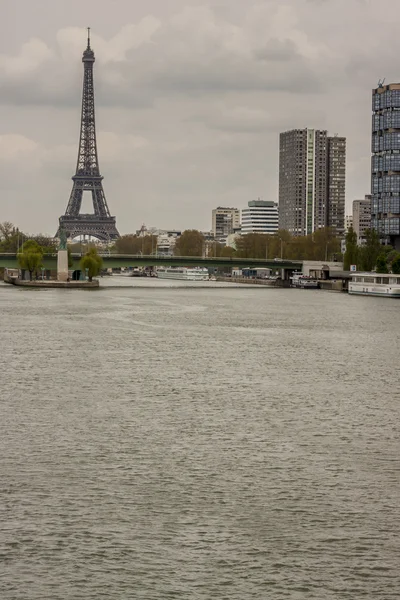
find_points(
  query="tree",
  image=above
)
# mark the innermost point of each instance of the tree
(369, 252)
(396, 265)
(351, 254)
(30, 257)
(190, 243)
(91, 262)
(70, 259)
(11, 239)
(135, 244)
(381, 264)
(252, 245)
(7, 229)
(214, 249)
(48, 244)
(228, 252)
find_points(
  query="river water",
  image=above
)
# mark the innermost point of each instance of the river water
(160, 441)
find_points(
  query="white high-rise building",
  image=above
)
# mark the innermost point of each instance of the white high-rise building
(261, 216)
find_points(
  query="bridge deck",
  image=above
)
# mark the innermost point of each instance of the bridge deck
(134, 260)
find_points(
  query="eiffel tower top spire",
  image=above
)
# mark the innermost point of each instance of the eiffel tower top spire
(88, 55)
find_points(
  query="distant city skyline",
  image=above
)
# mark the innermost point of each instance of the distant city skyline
(190, 100)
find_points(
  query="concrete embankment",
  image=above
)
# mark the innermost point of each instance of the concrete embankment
(327, 285)
(332, 285)
(71, 285)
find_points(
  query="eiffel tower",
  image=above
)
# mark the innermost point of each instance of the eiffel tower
(100, 224)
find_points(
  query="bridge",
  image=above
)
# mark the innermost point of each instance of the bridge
(137, 260)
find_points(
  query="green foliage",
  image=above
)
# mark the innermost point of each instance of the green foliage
(252, 245)
(351, 254)
(381, 264)
(31, 256)
(396, 265)
(190, 243)
(134, 244)
(214, 249)
(369, 252)
(228, 252)
(10, 238)
(48, 244)
(70, 259)
(321, 245)
(92, 262)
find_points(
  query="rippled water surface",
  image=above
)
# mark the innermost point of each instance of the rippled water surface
(198, 443)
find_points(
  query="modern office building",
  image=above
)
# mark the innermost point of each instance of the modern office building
(361, 217)
(224, 221)
(312, 181)
(385, 167)
(260, 216)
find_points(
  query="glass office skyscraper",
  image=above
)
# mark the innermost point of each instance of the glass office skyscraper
(385, 181)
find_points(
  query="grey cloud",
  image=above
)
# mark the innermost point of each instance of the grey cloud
(135, 73)
(277, 50)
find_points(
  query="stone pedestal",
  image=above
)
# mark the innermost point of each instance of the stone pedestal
(62, 265)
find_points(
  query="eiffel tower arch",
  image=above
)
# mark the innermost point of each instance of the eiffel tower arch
(100, 224)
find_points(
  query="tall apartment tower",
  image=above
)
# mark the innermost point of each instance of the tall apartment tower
(312, 181)
(385, 167)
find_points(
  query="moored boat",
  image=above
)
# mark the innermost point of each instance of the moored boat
(298, 280)
(185, 273)
(375, 284)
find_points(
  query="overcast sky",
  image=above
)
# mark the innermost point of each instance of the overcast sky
(190, 99)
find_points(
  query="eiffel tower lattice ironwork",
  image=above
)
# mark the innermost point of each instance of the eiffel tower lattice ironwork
(100, 224)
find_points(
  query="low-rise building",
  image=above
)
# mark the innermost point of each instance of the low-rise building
(348, 222)
(362, 217)
(224, 221)
(166, 241)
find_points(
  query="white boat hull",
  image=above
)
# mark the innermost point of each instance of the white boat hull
(374, 289)
(184, 274)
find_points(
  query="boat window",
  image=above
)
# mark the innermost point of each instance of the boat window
(369, 279)
(392, 280)
(378, 280)
(398, 280)
(359, 279)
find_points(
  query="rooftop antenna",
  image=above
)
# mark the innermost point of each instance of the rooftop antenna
(381, 82)
(88, 38)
